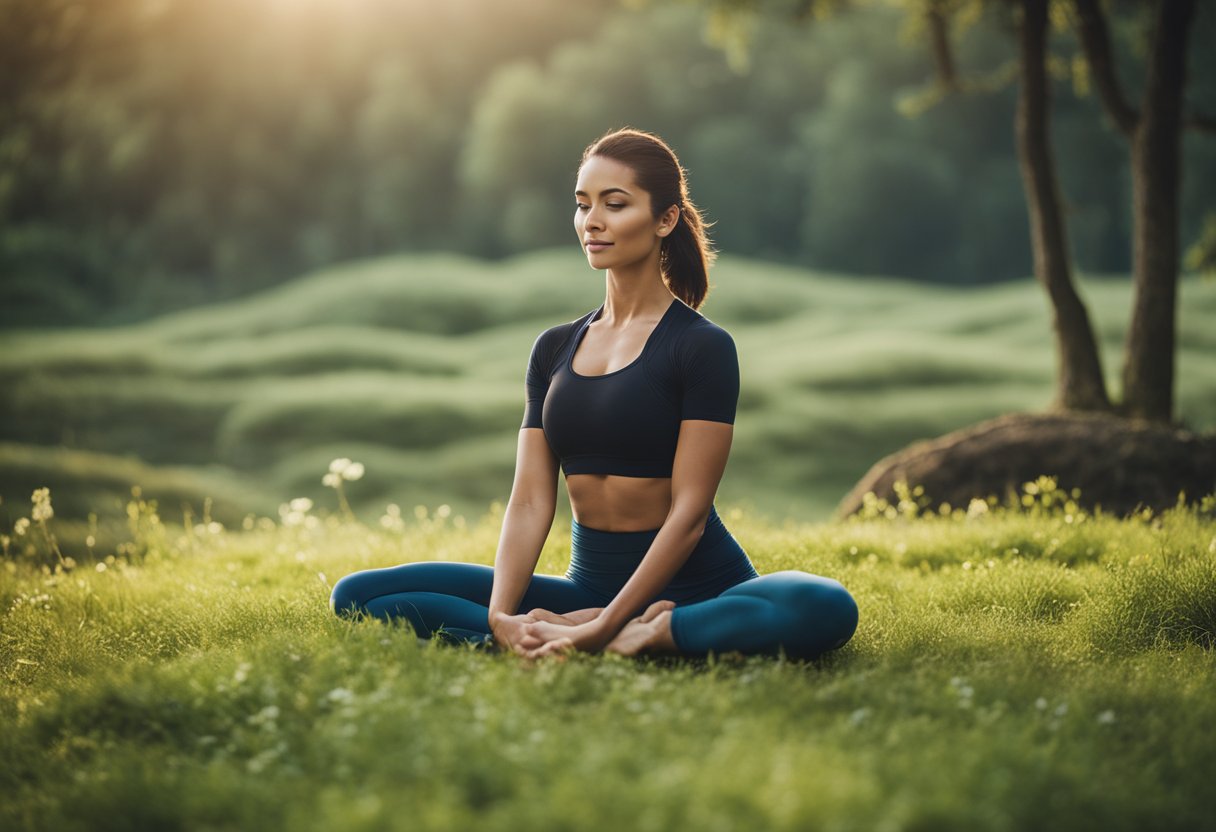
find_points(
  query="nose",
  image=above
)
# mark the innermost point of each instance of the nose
(593, 220)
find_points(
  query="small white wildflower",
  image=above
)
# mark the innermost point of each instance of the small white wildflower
(101, 567)
(242, 672)
(301, 504)
(42, 505)
(859, 716)
(444, 510)
(353, 472)
(21, 526)
(977, 507)
(392, 510)
(343, 695)
(1106, 717)
(1061, 709)
(1041, 703)
(339, 465)
(331, 480)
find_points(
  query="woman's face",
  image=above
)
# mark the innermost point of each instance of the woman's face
(610, 207)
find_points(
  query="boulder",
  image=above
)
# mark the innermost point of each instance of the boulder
(1119, 464)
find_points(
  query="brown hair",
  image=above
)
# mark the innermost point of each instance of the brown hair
(686, 252)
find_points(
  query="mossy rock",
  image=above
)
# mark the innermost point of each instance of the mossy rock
(1120, 465)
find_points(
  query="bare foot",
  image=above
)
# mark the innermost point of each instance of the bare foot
(650, 632)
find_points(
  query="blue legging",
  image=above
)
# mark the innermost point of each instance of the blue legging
(722, 603)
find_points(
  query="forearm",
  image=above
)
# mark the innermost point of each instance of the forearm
(668, 552)
(524, 529)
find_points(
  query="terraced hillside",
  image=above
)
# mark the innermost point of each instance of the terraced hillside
(414, 366)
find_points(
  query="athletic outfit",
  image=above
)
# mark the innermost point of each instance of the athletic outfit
(626, 423)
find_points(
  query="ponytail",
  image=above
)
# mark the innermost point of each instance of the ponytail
(686, 256)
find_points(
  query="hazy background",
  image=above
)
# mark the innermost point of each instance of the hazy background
(239, 238)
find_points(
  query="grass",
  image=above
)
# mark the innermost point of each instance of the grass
(414, 365)
(1036, 668)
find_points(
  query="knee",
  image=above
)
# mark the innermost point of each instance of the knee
(828, 609)
(343, 599)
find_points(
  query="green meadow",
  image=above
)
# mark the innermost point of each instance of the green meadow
(414, 366)
(170, 661)
(1028, 667)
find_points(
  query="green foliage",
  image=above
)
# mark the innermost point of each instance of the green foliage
(155, 156)
(197, 677)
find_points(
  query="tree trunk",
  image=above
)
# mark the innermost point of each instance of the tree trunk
(1080, 385)
(1148, 365)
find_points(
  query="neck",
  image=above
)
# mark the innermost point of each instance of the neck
(635, 292)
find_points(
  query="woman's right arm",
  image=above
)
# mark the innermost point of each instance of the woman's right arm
(526, 523)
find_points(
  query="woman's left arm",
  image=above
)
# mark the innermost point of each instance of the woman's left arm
(700, 460)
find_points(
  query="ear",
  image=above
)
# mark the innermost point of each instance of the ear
(667, 222)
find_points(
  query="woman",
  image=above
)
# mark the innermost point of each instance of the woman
(636, 401)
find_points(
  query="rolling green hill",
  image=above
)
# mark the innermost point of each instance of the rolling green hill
(414, 365)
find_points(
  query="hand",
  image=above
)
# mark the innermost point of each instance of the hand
(544, 638)
(508, 629)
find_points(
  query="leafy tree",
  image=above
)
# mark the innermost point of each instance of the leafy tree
(1154, 132)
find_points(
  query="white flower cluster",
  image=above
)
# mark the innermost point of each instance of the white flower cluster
(296, 513)
(42, 505)
(342, 469)
(392, 518)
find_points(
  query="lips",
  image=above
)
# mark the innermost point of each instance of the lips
(597, 245)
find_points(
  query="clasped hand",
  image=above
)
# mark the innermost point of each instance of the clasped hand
(543, 633)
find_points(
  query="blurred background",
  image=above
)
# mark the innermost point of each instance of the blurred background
(241, 238)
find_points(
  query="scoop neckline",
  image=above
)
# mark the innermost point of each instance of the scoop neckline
(594, 317)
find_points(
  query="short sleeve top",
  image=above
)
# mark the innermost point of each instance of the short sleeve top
(627, 422)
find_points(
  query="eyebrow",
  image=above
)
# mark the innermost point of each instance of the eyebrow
(605, 192)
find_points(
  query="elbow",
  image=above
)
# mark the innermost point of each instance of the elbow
(691, 523)
(533, 505)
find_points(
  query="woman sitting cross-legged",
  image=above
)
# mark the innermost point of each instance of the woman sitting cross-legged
(636, 401)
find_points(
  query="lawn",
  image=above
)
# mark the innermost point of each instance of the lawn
(1028, 667)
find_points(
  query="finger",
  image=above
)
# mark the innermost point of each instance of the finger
(531, 642)
(552, 647)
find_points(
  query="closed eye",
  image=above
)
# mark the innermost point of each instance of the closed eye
(614, 205)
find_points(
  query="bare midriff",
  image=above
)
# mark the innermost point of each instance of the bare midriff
(613, 503)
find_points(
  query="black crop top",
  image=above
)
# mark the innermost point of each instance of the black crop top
(627, 422)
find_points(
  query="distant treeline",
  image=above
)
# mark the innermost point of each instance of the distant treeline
(158, 154)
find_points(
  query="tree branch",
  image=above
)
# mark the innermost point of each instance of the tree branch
(1094, 35)
(1199, 121)
(943, 51)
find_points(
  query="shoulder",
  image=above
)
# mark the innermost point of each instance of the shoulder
(550, 341)
(700, 339)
